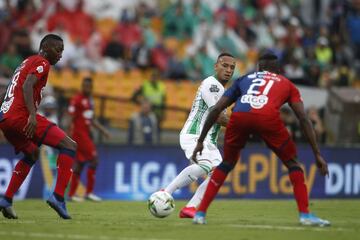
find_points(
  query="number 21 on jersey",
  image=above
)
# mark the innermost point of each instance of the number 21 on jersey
(257, 99)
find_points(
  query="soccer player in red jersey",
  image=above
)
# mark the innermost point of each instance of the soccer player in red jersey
(258, 97)
(26, 130)
(81, 110)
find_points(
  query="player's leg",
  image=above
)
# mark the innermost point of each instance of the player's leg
(199, 193)
(284, 147)
(214, 157)
(192, 172)
(90, 183)
(186, 176)
(51, 135)
(67, 149)
(75, 179)
(90, 153)
(13, 133)
(190, 209)
(236, 136)
(21, 170)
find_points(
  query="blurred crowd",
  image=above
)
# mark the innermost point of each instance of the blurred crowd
(317, 41)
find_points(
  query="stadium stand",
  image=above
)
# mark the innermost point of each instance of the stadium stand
(318, 47)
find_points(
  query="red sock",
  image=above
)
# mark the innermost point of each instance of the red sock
(20, 172)
(300, 191)
(74, 184)
(217, 179)
(64, 165)
(90, 180)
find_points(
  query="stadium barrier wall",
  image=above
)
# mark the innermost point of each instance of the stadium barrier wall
(133, 173)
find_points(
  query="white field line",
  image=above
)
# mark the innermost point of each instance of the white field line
(289, 228)
(40, 235)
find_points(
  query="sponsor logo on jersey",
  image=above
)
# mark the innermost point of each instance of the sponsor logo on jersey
(40, 69)
(256, 102)
(214, 88)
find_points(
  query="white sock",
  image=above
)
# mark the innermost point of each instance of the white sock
(199, 194)
(185, 177)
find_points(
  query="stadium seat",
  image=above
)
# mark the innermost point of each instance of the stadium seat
(106, 26)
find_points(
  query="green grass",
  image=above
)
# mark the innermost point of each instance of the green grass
(235, 219)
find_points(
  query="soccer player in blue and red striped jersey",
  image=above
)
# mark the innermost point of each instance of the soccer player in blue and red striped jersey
(258, 97)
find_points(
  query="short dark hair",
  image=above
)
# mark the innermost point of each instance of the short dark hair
(268, 56)
(268, 61)
(224, 54)
(50, 37)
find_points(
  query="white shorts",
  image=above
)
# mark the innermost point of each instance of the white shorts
(210, 156)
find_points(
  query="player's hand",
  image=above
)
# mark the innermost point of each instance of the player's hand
(322, 165)
(198, 149)
(30, 127)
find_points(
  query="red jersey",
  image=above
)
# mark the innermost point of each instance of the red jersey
(262, 93)
(14, 103)
(82, 109)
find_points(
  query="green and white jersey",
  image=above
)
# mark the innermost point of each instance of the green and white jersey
(207, 95)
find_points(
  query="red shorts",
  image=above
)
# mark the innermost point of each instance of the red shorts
(46, 132)
(85, 147)
(270, 128)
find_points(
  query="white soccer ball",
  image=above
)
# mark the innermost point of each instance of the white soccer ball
(161, 204)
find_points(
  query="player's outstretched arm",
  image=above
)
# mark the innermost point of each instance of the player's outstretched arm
(310, 135)
(216, 110)
(28, 89)
(101, 128)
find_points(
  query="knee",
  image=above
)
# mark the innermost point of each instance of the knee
(226, 166)
(78, 168)
(93, 163)
(32, 157)
(291, 164)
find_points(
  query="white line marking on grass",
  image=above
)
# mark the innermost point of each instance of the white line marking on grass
(289, 228)
(17, 222)
(40, 235)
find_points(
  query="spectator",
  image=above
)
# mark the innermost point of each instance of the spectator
(9, 61)
(323, 52)
(128, 32)
(192, 67)
(178, 23)
(114, 49)
(141, 55)
(160, 57)
(22, 41)
(153, 90)
(82, 24)
(206, 63)
(294, 71)
(143, 126)
(352, 20)
(200, 12)
(176, 68)
(227, 13)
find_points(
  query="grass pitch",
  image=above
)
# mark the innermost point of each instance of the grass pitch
(235, 219)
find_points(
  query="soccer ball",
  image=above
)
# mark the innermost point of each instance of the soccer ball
(161, 204)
